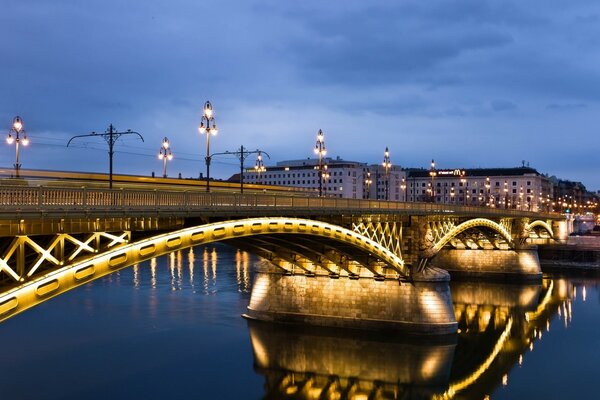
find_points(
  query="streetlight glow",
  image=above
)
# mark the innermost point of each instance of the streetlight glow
(164, 154)
(321, 151)
(387, 164)
(208, 125)
(17, 129)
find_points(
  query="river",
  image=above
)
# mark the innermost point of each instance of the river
(172, 328)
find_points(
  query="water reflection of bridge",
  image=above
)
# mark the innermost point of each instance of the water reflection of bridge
(498, 323)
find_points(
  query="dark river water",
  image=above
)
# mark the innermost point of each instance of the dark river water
(172, 328)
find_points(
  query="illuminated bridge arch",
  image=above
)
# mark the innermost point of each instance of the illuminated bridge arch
(58, 281)
(470, 224)
(541, 224)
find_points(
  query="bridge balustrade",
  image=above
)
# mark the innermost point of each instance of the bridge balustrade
(32, 199)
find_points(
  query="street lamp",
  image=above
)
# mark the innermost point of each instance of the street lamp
(432, 173)
(17, 128)
(259, 167)
(521, 198)
(320, 150)
(463, 180)
(505, 194)
(452, 195)
(403, 187)
(368, 182)
(487, 187)
(165, 153)
(387, 165)
(208, 125)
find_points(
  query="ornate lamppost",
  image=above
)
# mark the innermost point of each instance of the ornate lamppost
(463, 180)
(487, 187)
(320, 151)
(387, 164)
(521, 198)
(432, 173)
(368, 182)
(17, 128)
(403, 187)
(164, 154)
(208, 126)
(259, 167)
(505, 194)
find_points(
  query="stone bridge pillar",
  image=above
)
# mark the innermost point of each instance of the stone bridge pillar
(421, 306)
(561, 229)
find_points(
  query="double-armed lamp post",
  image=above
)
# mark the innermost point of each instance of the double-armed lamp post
(164, 154)
(17, 128)
(208, 126)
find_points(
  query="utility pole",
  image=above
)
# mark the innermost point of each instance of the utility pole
(110, 136)
(241, 154)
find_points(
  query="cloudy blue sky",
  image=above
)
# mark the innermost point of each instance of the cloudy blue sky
(471, 83)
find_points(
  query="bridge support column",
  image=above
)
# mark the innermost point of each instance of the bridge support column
(561, 230)
(519, 264)
(423, 306)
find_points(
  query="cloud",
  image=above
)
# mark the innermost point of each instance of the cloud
(503, 105)
(566, 106)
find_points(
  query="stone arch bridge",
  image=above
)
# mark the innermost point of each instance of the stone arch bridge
(54, 239)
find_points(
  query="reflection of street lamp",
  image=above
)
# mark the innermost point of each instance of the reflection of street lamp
(403, 187)
(320, 150)
(17, 128)
(432, 173)
(208, 126)
(368, 182)
(387, 164)
(165, 154)
(259, 167)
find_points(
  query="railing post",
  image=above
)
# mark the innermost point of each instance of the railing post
(40, 199)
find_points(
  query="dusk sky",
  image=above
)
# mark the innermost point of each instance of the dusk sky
(470, 83)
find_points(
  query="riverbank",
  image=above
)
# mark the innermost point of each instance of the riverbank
(579, 253)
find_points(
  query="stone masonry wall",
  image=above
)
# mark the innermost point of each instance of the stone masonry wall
(518, 264)
(419, 307)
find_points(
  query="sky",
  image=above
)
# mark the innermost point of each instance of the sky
(469, 83)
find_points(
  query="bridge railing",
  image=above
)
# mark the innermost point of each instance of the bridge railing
(42, 198)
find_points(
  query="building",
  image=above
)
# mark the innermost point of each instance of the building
(341, 178)
(521, 188)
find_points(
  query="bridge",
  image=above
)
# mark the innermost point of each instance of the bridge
(53, 239)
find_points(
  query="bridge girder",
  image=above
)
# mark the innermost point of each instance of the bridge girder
(34, 289)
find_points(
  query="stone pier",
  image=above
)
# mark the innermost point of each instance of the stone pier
(520, 264)
(422, 306)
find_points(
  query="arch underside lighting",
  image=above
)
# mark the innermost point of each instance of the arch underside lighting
(487, 228)
(543, 226)
(325, 248)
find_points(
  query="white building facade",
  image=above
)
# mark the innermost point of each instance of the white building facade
(341, 178)
(520, 188)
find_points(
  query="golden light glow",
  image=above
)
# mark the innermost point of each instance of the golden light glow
(128, 254)
(472, 378)
(17, 124)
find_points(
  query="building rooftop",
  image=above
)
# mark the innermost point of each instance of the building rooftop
(471, 172)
